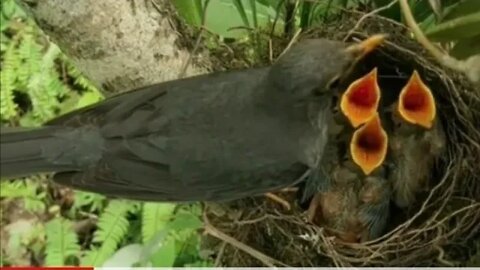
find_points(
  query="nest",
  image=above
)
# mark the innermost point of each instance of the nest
(442, 228)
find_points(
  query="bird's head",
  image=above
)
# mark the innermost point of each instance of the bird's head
(314, 67)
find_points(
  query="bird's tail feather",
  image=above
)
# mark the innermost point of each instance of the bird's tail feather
(22, 151)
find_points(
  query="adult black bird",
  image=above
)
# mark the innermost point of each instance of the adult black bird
(221, 136)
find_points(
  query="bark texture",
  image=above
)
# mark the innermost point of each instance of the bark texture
(119, 44)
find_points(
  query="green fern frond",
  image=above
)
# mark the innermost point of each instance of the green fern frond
(112, 229)
(15, 189)
(82, 199)
(155, 217)
(30, 54)
(62, 242)
(79, 78)
(44, 88)
(8, 76)
(27, 191)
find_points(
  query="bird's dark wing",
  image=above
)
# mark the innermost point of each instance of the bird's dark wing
(320, 178)
(112, 108)
(157, 185)
(136, 125)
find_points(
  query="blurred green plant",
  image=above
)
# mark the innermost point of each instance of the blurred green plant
(37, 80)
(230, 18)
(456, 33)
(460, 24)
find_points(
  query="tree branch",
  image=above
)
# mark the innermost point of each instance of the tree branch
(119, 45)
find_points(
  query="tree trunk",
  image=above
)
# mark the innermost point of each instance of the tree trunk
(118, 44)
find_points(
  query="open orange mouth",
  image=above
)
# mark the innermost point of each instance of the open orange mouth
(416, 103)
(359, 103)
(369, 145)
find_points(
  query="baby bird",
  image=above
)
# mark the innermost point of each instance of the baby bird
(358, 104)
(360, 101)
(348, 204)
(417, 140)
(336, 208)
(355, 208)
(375, 196)
(368, 146)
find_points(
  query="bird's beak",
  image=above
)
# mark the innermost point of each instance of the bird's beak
(416, 103)
(363, 48)
(360, 101)
(368, 146)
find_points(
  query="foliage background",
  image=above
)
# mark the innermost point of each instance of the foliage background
(43, 224)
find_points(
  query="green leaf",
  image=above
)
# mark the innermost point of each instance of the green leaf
(186, 221)
(88, 98)
(428, 23)
(465, 48)
(223, 15)
(462, 8)
(8, 8)
(62, 242)
(190, 10)
(8, 77)
(271, 3)
(421, 9)
(127, 256)
(241, 10)
(306, 10)
(4, 25)
(253, 6)
(178, 229)
(165, 255)
(436, 6)
(152, 245)
(455, 29)
(155, 218)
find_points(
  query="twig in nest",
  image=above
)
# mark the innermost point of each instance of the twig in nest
(218, 260)
(441, 257)
(279, 200)
(211, 230)
(270, 50)
(197, 42)
(292, 41)
(364, 17)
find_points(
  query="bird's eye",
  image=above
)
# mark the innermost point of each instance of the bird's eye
(334, 83)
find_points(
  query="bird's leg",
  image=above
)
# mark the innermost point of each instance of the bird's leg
(318, 182)
(279, 200)
(312, 210)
